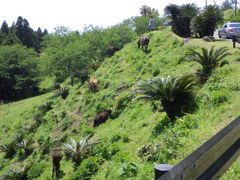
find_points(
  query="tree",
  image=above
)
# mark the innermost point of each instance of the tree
(209, 60)
(205, 23)
(18, 72)
(25, 33)
(145, 10)
(175, 93)
(181, 17)
(227, 4)
(4, 27)
(212, 17)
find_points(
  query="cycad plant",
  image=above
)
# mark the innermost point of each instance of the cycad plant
(26, 145)
(175, 93)
(209, 60)
(9, 149)
(78, 150)
(16, 174)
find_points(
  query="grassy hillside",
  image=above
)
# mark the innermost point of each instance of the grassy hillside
(134, 123)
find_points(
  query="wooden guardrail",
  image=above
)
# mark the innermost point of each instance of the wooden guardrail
(209, 161)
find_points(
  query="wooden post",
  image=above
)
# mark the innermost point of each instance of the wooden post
(161, 169)
(234, 41)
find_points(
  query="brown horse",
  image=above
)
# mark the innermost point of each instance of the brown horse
(56, 158)
(111, 50)
(101, 117)
(143, 41)
(93, 84)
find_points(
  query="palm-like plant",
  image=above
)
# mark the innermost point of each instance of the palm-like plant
(175, 93)
(209, 60)
(79, 150)
(26, 145)
(9, 148)
(16, 174)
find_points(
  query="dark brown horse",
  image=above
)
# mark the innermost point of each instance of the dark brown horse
(56, 158)
(111, 50)
(101, 117)
(143, 41)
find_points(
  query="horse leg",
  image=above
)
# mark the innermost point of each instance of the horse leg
(53, 171)
(57, 170)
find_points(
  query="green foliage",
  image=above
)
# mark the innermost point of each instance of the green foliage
(219, 97)
(45, 107)
(79, 150)
(8, 148)
(87, 168)
(175, 93)
(115, 138)
(181, 17)
(16, 173)
(209, 60)
(36, 170)
(105, 150)
(127, 170)
(63, 92)
(206, 22)
(18, 72)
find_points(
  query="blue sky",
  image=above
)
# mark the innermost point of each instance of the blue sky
(74, 14)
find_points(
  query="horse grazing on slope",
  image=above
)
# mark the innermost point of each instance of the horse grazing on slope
(56, 158)
(143, 41)
(111, 50)
(101, 117)
(93, 84)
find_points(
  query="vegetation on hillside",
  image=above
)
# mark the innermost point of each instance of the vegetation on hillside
(180, 115)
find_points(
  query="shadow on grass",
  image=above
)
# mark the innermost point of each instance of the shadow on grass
(147, 51)
(165, 123)
(61, 174)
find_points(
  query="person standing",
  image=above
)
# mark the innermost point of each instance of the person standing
(151, 23)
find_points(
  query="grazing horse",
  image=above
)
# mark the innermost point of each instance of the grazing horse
(56, 158)
(93, 84)
(111, 50)
(144, 42)
(101, 117)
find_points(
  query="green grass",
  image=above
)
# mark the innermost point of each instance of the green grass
(218, 102)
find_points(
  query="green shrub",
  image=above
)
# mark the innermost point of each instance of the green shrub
(38, 118)
(105, 150)
(36, 170)
(115, 138)
(125, 138)
(219, 97)
(3, 162)
(63, 92)
(87, 168)
(122, 103)
(156, 72)
(127, 170)
(45, 107)
(9, 149)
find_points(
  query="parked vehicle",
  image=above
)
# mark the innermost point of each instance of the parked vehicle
(229, 30)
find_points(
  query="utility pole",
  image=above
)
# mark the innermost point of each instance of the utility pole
(205, 3)
(235, 12)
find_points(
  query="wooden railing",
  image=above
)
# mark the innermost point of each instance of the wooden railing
(209, 161)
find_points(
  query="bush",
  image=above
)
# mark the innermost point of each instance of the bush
(129, 169)
(87, 168)
(45, 107)
(219, 97)
(105, 150)
(115, 138)
(63, 92)
(36, 170)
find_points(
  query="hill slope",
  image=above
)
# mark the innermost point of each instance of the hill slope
(134, 124)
